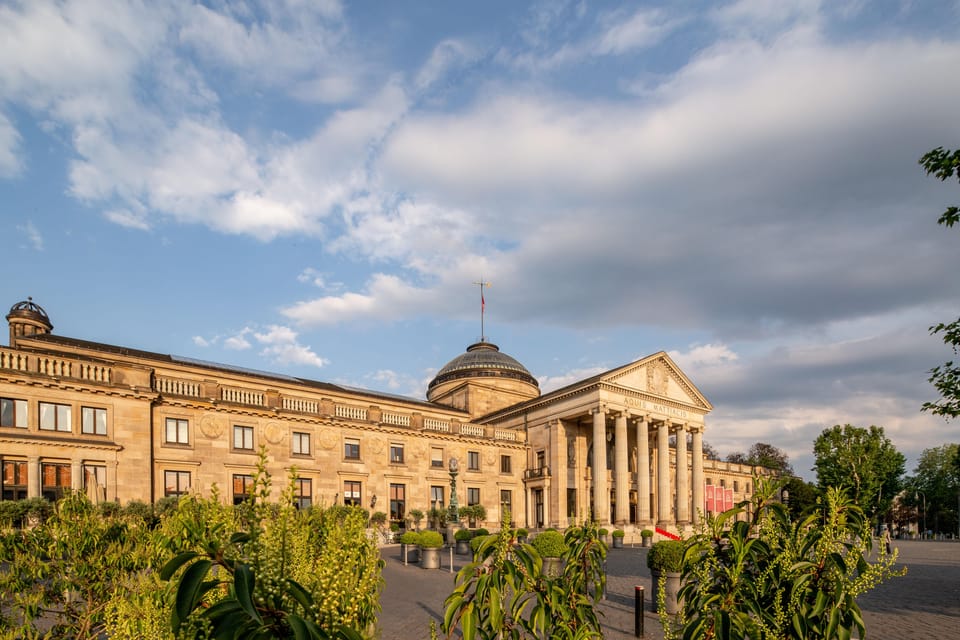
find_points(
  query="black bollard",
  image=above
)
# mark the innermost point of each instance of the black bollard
(638, 612)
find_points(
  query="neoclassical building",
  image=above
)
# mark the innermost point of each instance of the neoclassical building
(624, 447)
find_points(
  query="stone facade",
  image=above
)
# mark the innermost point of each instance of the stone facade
(125, 425)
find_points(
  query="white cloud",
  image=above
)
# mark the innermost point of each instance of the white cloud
(10, 161)
(551, 383)
(387, 296)
(33, 235)
(282, 347)
(201, 342)
(127, 218)
(704, 355)
(239, 341)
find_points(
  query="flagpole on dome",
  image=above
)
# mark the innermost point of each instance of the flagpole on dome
(483, 305)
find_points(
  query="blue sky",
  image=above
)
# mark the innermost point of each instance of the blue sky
(312, 188)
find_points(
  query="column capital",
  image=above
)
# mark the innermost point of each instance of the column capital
(601, 409)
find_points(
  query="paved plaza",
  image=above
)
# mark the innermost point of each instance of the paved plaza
(925, 603)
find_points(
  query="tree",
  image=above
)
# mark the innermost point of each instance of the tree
(762, 454)
(945, 164)
(802, 496)
(861, 461)
(710, 452)
(936, 478)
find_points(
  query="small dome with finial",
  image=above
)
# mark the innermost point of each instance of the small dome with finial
(27, 318)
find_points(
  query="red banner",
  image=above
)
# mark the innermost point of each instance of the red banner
(711, 504)
(728, 499)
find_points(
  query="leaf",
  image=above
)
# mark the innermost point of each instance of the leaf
(243, 582)
(175, 563)
(188, 591)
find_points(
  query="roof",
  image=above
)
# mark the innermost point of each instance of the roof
(483, 359)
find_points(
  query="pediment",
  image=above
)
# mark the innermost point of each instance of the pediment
(658, 375)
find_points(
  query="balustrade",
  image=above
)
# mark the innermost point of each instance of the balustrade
(301, 404)
(471, 430)
(351, 412)
(177, 387)
(396, 419)
(241, 396)
(432, 424)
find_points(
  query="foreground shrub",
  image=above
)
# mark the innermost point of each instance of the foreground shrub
(770, 577)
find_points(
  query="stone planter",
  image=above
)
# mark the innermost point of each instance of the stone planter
(430, 557)
(671, 590)
(618, 542)
(647, 541)
(412, 550)
(553, 567)
(463, 547)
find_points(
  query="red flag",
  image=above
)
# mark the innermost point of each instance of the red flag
(483, 302)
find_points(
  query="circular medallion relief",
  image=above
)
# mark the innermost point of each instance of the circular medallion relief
(212, 425)
(273, 432)
(490, 457)
(328, 439)
(376, 446)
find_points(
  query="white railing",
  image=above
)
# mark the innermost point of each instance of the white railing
(471, 430)
(54, 367)
(432, 424)
(176, 387)
(301, 404)
(396, 419)
(353, 413)
(501, 434)
(241, 396)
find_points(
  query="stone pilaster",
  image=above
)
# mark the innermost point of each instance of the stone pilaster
(683, 478)
(643, 471)
(621, 473)
(601, 493)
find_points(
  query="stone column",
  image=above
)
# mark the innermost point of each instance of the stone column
(665, 513)
(76, 475)
(643, 472)
(683, 478)
(601, 494)
(698, 503)
(621, 473)
(559, 472)
(34, 480)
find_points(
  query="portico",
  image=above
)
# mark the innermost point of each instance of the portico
(624, 448)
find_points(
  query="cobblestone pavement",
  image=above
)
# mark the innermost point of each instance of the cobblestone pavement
(925, 603)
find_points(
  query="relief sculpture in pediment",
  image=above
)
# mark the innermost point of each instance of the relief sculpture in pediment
(658, 378)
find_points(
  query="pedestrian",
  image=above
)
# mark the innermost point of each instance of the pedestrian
(886, 539)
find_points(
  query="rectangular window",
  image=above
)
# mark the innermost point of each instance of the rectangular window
(301, 443)
(436, 497)
(242, 487)
(55, 479)
(505, 464)
(242, 437)
(95, 479)
(571, 503)
(398, 502)
(55, 417)
(177, 431)
(351, 449)
(436, 457)
(13, 413)
(506, 499)
(14, 480)
(303, 497)
(396, 453)
(351, 492)
(176, 483)
(473, 496)
(541, 460)
(736, 485)
(473, 461)
(93, 421)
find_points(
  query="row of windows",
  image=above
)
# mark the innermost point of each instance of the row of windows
(53, 417)
(178, 432)
(55, 478)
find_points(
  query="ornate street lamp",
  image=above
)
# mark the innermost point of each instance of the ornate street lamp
(453, 513)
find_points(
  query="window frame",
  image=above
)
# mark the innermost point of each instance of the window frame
(473, 456)
(433, 494)
(62, 471)
(297, 439)
(473, 496)
(13, 406)
(181, 428)
(436, 463)
(95, 412)
(506, 463)
(348, 488)
(243, 430)
(246, 485)
(14, 490)
(351, 449)
(179, 489)
(396, 447)
(398, 501)
(67, 412)
(303, 500)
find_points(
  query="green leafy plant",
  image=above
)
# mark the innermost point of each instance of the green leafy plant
(416, 516)
(462, 535)
(604, 532)
(646, 533)
(431, 539)
(550, 544)
(378, 519)
(666, 556)
(410, 537)
(618, 533)
(522, 533)
(772, 577)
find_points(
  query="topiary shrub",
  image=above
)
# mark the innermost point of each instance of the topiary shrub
(646, 533)
(410, 537)
(603, 532)
(480, 532)
(462, 535)
(522, 533)
(431, 540)
(666, 556)
(550, 544)
(378, 519)
(618, 533)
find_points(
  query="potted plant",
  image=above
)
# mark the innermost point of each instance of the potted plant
(521, 535)
(378, 519)
(647, 536)
(416, 516)
(618, 538)
(665, 558)
(409, 546)
(479, 513)
(430, 544)
(462, 536)
(551, 547)
(437, 518)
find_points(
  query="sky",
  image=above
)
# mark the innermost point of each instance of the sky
(314, 187)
